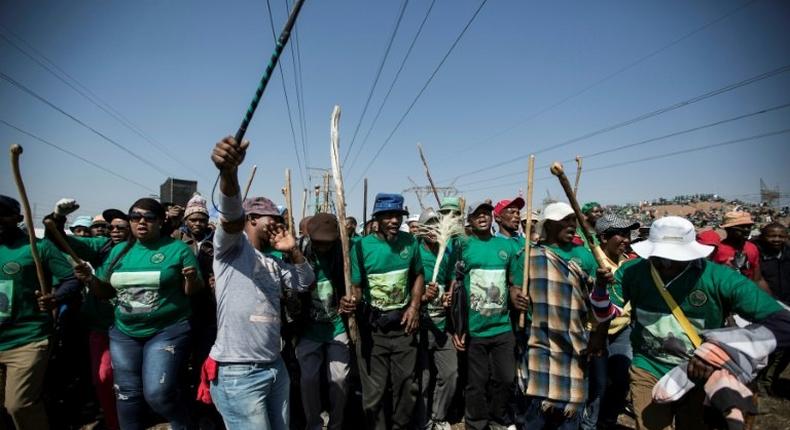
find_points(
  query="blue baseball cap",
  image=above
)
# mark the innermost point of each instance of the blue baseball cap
(388, 203)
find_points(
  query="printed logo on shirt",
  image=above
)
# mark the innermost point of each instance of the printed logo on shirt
(698, 298)
(388, 290)
(405, 253)
(502, 255)
(6, 294)
(487, 292)
(138, 292)
(11, 268)
(157, 258)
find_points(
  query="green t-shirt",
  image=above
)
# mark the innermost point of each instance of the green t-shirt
(21, 322)
(578, 254)
(434, 308)
(386, 270)
(149, 285)
(706, 292)
(325, 321)
(97, 314)
(486, 266)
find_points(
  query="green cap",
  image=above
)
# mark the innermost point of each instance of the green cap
(450, 204)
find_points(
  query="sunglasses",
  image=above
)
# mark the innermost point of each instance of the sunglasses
(137, 216)
(119, 227)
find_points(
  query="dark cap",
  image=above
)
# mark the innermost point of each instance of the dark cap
(323, 227)
(260, 206)
(111, 214)
(9, 206)
(474, 207)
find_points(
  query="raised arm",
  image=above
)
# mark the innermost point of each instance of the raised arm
(227, 156)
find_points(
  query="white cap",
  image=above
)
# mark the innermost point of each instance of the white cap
(557, 211)
(412, 218)
(673, 238)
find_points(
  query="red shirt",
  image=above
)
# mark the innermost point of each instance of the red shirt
(725, 254)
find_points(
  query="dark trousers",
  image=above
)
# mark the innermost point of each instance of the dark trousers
(146, 370)
(550, 419)
(387, 362)
(491, 371)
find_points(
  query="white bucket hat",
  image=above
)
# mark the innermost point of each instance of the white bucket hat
(673, 238)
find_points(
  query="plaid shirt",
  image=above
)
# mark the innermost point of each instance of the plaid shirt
(558, 336)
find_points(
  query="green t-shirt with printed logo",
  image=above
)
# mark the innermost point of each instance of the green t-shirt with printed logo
(21, 322)
(325, 321)
(578, 254)
(386, 270)
(706, 292)
(434, 308)
(486, 266)
(149, 285)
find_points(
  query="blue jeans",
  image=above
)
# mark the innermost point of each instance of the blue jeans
(253, 395)
(538, 419)
(620, 356)
(146, 370)
(596, 387)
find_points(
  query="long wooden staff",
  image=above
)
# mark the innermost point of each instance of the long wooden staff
(249, 182)
(43, 281)
(340, 198)
(289, 202)
(578, 175)
(557, 170)
(527, 236)
(428, 174)
(57, 236)
(304, 204)
(365, 203)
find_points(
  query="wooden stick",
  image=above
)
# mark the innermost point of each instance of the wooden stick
(289, 202)
(249, 182)
(57, 236)
(340, 198)
(304, 204)
(365, 203)
(428, 174)
(557, 170)
(527, 236)
(43, 281)
(578, 175)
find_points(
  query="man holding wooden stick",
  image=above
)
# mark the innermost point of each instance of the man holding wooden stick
(560, 279)
(26, 325)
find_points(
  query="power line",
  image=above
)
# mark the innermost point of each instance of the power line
(652, 157)
(613, 74)
(89, 95)
(642, 117)
(646, 141)
(287, 102)
(78, 121)
(79, 157)
(419, 94)
(299, 86)
(392, 85)
(376, 79)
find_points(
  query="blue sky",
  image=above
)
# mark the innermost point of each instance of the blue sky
(184, 72)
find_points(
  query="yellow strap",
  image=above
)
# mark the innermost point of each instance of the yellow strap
(676, 311)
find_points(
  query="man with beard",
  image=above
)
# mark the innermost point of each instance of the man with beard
(25, 320)
(387, 277)
(507, 217)
(490, 344)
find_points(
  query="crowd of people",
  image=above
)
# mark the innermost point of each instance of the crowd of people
(451, 314)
